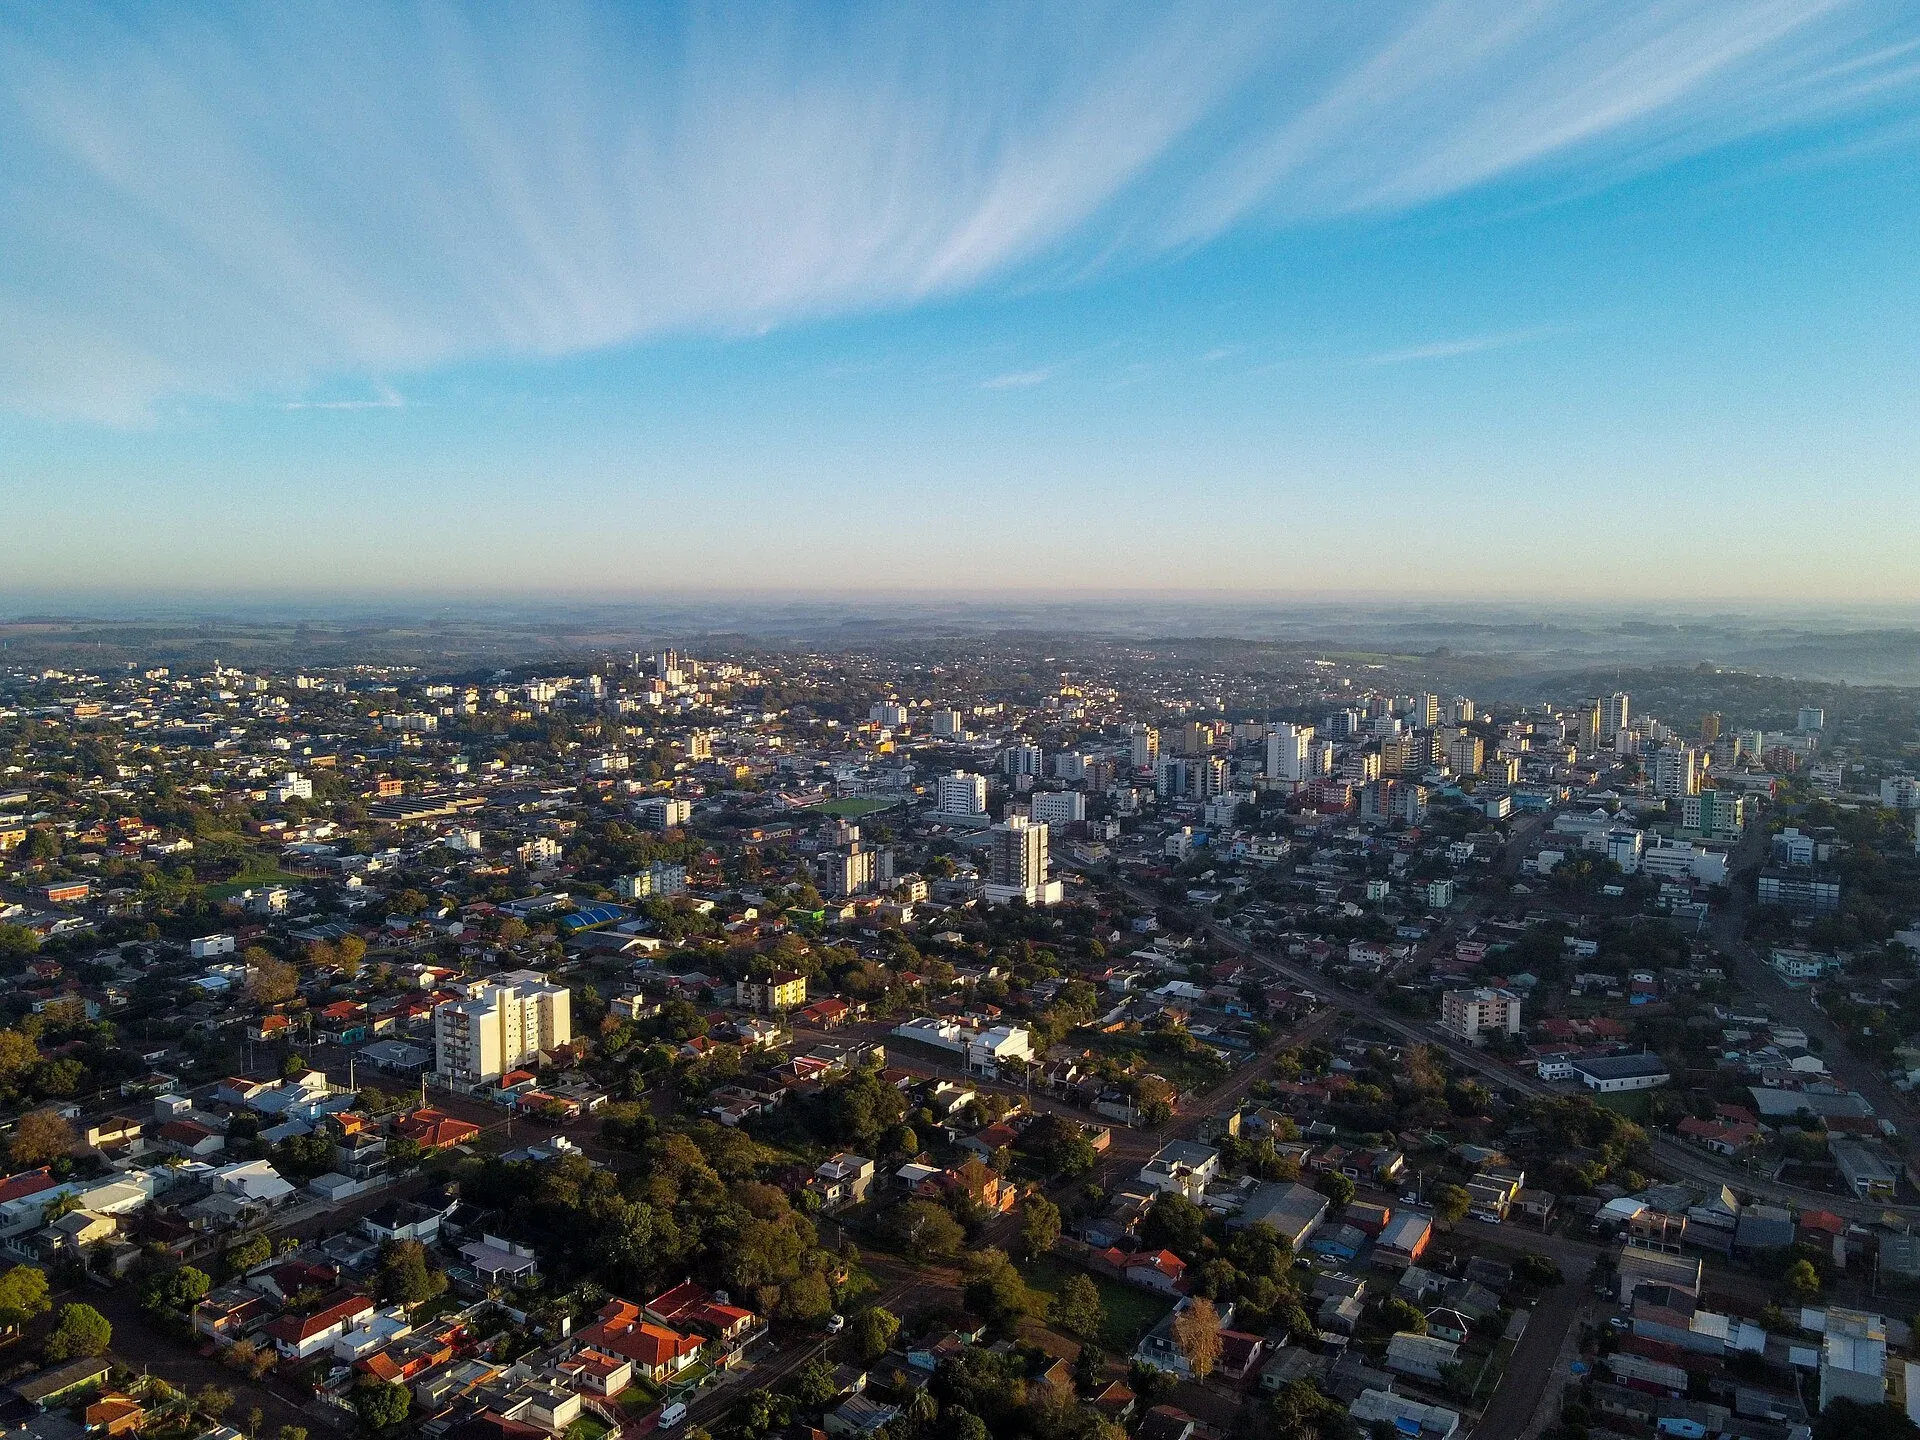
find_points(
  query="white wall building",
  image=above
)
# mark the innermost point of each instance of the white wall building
(1471, 1014)
(507, 1020)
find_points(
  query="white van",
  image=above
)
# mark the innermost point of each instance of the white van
(673, 1415)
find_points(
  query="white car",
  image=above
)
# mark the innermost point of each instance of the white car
(836, 1323)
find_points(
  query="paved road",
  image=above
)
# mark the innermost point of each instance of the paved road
(1534, 1364)
(140, 1344)
(1795, 1005)
(1675, 1158)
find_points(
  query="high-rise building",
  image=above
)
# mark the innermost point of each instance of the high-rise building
(1425, 711)
(1287, 752)
(699, 746)
(889, 713)
(1589, 736)
(851, 871)
(1057, 809)
(1214, 776)
(505, 1022)
(1460, 711)
(662, 812)
(1676, 772)
(1812, 718)
(1143, 747)
(1465, 753)
(1714, 815)
(1710, 727)
(1017, 864)
(1023, 760)
(963, 794)
(1614, 713)
(945, 724)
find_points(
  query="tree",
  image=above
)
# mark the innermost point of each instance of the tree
(405, 1275)
(82, 1331)
(1077, 1309)
(23, 1295)
(293, 1432)
(212, 1401)
(175, 1289)
(269, 981)
(1174, 1223)
(255, 1250)
(40, 1138)
(814, 1386)
(1450, 1203)
(1844, 1419)
(1039, 1225)
(1402, 1316)
(380, 1405)
(1537, 1271)
(1196, 1331)
(996, 1290)
(1057, 1145)
(872, 1332)
(348, 954)
(18, 1054)
(1337, 1188)
(926, 1229)
(1803, 1280)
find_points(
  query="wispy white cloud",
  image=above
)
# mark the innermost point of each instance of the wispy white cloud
(259, 201)
(1017, 380)
(387, 399)
(1450, 349)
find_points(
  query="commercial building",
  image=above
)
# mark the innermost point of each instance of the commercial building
(1058, 808)
(1611, 1074)
(1714, 815)
(982, 1047)
(507, 1021)
(1853, 1356)
(1809, 894)
(1471, 1014)
(962, 793)
(1870, 1172)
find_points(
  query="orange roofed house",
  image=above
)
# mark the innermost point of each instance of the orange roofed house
(657, 1351)
(689, 1307)
(432, 1129)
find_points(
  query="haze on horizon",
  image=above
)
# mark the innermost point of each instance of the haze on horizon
(1444, 298)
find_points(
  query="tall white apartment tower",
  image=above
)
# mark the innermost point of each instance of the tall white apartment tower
(1288, 751)
(1614, 711)
(1676, 772)
(1144, 745)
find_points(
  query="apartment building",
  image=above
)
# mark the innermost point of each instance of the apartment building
(1472, 1014)
(506, 1022)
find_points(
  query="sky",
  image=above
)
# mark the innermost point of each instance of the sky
(1435, 298)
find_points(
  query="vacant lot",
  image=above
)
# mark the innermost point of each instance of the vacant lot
(1131, 1311)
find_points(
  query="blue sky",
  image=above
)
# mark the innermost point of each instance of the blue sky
(1459, 298)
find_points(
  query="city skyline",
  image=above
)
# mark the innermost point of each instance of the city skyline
(1449, 299)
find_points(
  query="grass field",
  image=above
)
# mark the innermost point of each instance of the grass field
(1131, 1311)
(854, 806)
(253, 880)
